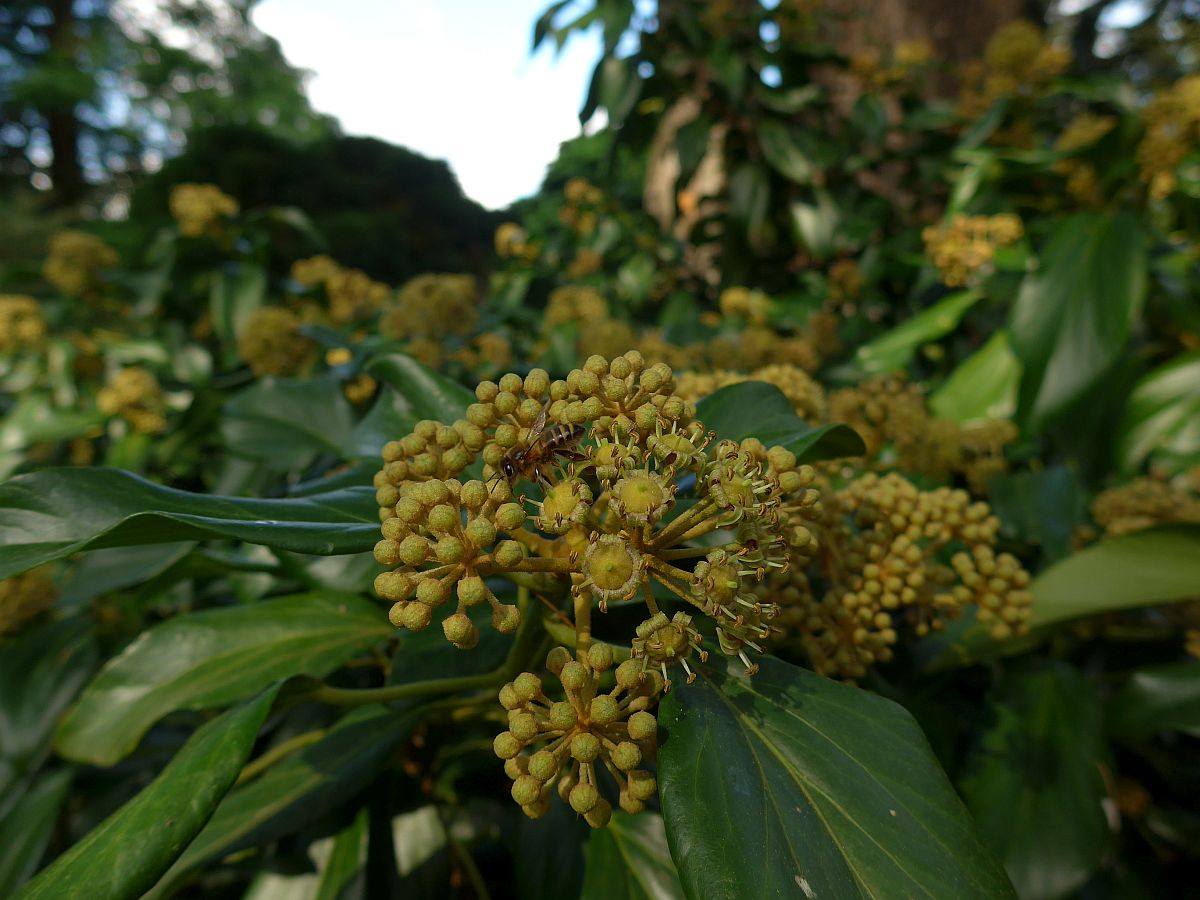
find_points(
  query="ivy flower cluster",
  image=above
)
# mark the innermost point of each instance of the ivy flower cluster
(621, 498)
(1172, 122)
(1018, 62)
(270, 343)
(429, 309)
(134, 395)
(21, 322)
(351, 295)
(1081, 132)
(201, 209)
(76, 261)
(892, 557)
(964, 248)
(23, 598)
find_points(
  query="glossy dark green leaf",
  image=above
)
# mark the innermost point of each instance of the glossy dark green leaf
(548, 860)
(41, 671)
(982, 386)
(296, 791)
(337, 862)
(629, 860)
(104, 571)
(128, 852)
(759, 409)
(1075, 312)
(894, 349)
(212, 658)
(1162, 416)
(1159, 698)
(782, 151)
(1043, 506)
(429, 395)
(816, 224)
(25, 829)
(285, 422)
(1034, 783)
(749, 200)
(1158, 565)
(789, 784)
(234, 296)
(53, 513)
(389, 418)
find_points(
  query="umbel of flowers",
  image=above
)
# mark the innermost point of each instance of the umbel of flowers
(645, 507)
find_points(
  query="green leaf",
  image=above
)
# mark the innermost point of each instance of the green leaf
(1158, 565)
(789, 784)
(1074, 314)
(234, 296)
(338, 862)
(629, 860)
(40, 673)
(105, 571)
(759, 409)
(982, 386)
(430, 395)
(548, 860)
(297, 791)
(34, 419)
(1156, 699)
(212, 658)
(749, 200)
(782, 152)
(286, 422)
(1043, 506)
(25, 829)
(53, 513)
(128, 852)
(1034, 783)
(895, 349)
(1162, 416)
(816, 224)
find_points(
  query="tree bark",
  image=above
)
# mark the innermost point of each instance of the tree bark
(62, 124)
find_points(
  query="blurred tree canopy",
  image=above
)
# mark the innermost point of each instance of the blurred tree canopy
(93, 91)
(382, 208)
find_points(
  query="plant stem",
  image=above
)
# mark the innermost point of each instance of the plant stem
(256, 767)
(528, 639)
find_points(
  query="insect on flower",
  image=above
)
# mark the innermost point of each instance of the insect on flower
(543, 448)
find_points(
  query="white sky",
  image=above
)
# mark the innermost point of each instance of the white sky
(452, 80)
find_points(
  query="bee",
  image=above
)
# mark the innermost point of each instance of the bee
(542, 448)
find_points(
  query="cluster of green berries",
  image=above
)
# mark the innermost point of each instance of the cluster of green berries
(562, 740)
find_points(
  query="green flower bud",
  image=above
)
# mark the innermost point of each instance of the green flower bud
(414, 549)
(642, 726)
(460, 630)
(620, 368)
(543, 766)
(506, 403)
(396, 614)
(486, 391)
(604, 710)
(506, 619)
(416, 616)
(600, 815)
(510, 516)
(629, 674)
(583, 798)
(506, 746)
(523, 726)
(474, 495)
(443, 518)
(526, 790)
(481, 533)
(409, 510)
(472, 591)
(387, 496)
(528, 686)
(557, 658)
(449, 549)
(387, 553)
(393, 586)
(511, 383)
(626, 756)
(537, 383)
(509, 698)
(600, 657)
(432, 592)
(631, 804)
(508, 554)
(585, 747)
(573, 676)
(642, 784)
(562, 716)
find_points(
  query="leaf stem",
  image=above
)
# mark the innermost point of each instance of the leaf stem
(257, 766)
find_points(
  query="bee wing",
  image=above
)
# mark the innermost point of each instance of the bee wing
(538, 426)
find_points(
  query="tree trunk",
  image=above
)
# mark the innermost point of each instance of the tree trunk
(63, 123)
